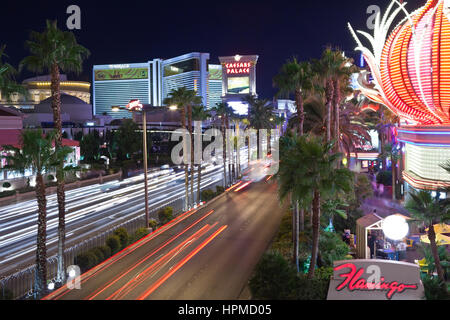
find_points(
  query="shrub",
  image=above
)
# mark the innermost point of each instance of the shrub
(86, 260)
(385, 177)
(332, 248)
(207, 194)
(6, 294)
(99, 254)
(114, 243)
(123, 236)
(165, 215)
(273, 278)
(7, 193)
(323, 273)
(141, 233)
(106, 251)
(219, 190)
(6, 185)
(311, 289)
(152, 223)
(50, 177)
(434, 288)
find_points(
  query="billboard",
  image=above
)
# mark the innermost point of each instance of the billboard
(121, 74)
(239, 85)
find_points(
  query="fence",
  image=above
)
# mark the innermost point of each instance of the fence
(21, 284)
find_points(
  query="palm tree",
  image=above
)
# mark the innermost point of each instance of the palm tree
(296, 78)
(430, 210)
(51, 51)
(8, 85)
(184, 99)
(308, 172)
(199, 114)
(223, 110)
(37, 153)
(259, 115)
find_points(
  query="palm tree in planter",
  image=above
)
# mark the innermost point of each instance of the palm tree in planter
(430, 210)
(52, 51)
(38, 154)
(199, 114)
(308, 172)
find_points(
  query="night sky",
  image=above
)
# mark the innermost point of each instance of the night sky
(139, 31)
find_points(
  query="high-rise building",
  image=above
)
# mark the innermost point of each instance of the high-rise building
(214, 85)
(190, 71)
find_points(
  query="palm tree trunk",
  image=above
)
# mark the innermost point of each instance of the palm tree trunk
(337, 94)
(316, 230)
(186, 176)
(41, 251)
(302, 220)
(60, 189)
(224, 153)
(300, 110)
(437, 261)
(192, 153)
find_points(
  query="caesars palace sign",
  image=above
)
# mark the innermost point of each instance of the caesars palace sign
(375, 280)
(238, 67)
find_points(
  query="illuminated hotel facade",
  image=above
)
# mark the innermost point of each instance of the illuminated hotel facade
(410, 68)
(151, 82)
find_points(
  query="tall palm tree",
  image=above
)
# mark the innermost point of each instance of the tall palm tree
(37, 153)
(259, 115)
(223, 110)
(430, 210)
(308, 172)
(184, 99)
(199, 114)
(295, 78)
(54, 50)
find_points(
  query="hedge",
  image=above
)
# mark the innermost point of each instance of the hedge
(86, 260)
(7, 193)
(123, 236)
(207, 194)
(165, 215)
(114, 243)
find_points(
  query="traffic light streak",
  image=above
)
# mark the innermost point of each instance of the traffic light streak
(180, 264)
(101, 289)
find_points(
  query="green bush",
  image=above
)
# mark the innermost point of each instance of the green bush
(434, 288)
(311, 289)
(50, 177)
(6, 185)
(6, 294)
(7, 193)
(99, 254)
(385, 177)
(140, 233)
(219, 190)
(114, 243)
(323, 273)
(165, 215)
(86, 261)
(273, 278)
(332, 248)
(122, 233)
(207, 194)
(106, 251)
(152, 223)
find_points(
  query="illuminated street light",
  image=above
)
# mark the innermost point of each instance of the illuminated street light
(395, 227)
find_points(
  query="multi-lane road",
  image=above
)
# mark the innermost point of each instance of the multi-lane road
(89, 211)
(207, 253)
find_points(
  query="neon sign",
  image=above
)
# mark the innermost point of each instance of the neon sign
(134, 105)
(353, 282)
(372, 279)
(238, 68)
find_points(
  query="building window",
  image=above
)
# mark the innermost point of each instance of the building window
(182, 67)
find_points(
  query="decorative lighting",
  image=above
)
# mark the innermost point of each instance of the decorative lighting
(409, 67)
(395, 227)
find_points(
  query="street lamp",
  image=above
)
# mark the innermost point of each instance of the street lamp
(136, 106)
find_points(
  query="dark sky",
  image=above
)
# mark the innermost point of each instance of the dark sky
(138, 31)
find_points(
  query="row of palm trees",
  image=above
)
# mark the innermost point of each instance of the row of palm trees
(51, 51)
(310, 171)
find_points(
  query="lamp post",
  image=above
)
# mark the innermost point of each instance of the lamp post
(136, 106)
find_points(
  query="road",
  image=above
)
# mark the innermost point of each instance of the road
(205, 254)
(90, 210)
